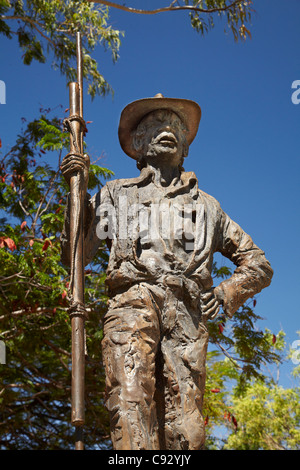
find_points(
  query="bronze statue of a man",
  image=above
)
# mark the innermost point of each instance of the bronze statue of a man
(162, 232)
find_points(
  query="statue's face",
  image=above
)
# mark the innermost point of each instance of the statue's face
(160, 136)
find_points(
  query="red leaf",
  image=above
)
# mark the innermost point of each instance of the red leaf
(46, 244)
(0, 143)
(88, 122)
(10, 244)
(2, 244)
(54, 311)
(274, 339)
(23, 225)
(64, 294)
(234, 421)
(206, 420)
(221, 328)
(254, 302)
(31, 242)
(215, 390)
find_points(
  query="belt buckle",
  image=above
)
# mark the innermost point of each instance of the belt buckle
(173, 281)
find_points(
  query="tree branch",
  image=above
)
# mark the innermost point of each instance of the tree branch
(32, 22)
(38, 213)
(228, 355)
(165, 9)
(57, 349)
(23, 208)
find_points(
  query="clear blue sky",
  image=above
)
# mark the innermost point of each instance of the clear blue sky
(246, 153)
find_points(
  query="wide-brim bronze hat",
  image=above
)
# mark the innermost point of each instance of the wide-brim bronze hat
(188, 111)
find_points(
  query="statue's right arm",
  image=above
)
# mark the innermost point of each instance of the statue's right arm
(94, 222)
(95, 225)
(65, 234)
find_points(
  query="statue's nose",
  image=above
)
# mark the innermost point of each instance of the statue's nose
(165, 127)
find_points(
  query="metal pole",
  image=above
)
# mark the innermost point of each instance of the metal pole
(77, 312)
(80, 79)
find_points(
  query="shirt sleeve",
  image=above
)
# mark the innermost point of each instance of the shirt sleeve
(253, 272)
(98, 216)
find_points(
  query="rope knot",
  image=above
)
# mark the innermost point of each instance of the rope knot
(76, 309)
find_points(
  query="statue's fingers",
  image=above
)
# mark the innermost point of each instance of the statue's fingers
(215, 314)
(86, 158)
(73, 159)
(212, 308)
(205, 297)
(72, 164)
(207, 293)
(213, 311)
(209, 304)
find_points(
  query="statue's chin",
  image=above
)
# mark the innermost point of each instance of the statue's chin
(162, 151)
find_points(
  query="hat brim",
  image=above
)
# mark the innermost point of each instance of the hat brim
(188, 111)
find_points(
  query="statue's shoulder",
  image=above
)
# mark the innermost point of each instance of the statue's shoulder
(141, 180)
(116, 184)
(113, 185)
(210, 200)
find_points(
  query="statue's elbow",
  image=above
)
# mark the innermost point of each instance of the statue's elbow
(268, 273)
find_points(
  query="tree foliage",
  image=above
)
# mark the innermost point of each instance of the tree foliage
(35, 382)
(252, 414)
(203, 13)
(268, 419)
(47, 30)
(240, 358)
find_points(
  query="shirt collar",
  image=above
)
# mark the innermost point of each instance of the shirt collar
(188, 179)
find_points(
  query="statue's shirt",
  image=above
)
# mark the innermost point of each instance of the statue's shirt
(154, 232)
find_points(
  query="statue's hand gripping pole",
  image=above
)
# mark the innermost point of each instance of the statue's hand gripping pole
(75, 125)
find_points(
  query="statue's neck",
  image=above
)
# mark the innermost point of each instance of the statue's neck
(164, 175)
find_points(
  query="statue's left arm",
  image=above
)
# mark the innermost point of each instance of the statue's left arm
(253, 272)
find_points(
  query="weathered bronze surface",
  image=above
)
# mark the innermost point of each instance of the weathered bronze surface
(162, 232)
